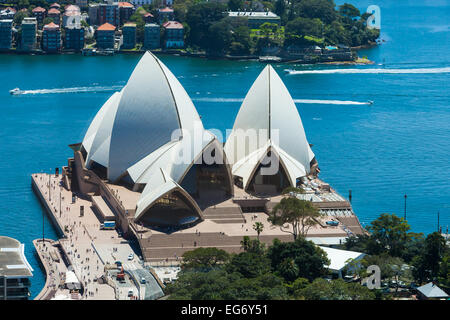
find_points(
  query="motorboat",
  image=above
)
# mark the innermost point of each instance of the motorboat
(370, 102)
(15, 91)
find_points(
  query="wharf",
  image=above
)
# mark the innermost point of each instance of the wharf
(77, 237)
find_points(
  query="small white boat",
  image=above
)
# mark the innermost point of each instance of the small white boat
(370, 102)
(15, 91)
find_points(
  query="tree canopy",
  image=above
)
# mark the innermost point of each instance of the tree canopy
(299, 214)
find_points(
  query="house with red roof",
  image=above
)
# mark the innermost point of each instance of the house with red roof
(51, 37)
(165, 14)
(54, 14)
(39, 13)
(173, 34)
(8, 13)
(126, 10)
(148, 17)
(105, 36)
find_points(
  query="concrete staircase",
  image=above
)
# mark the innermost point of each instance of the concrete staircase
(224, 214)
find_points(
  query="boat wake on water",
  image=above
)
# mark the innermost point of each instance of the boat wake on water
(304, 101)
(371, 71)
(18, 91)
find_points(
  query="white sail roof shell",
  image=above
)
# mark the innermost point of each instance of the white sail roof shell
(269, 110)
(99, 150)
(152, 110)
(150, 130)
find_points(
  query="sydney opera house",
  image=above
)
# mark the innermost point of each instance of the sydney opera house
(147, 161)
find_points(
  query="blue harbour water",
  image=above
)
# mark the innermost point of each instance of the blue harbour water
(400, 144)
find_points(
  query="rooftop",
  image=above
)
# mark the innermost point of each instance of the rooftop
(51, 25)
(172, 25)
(340, 258)
(166, 9)
(9, 9)
(72, 7)
(56, 5)
(29, 20)
(106, 27)
(38, 9)
(54, 11)
(430, 290)
(125, 5)
(13, 262)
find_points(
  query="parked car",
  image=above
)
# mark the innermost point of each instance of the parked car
(131, 256)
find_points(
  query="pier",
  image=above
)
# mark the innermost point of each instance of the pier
(88, 251)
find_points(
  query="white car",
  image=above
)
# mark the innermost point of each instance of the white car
(131, 256)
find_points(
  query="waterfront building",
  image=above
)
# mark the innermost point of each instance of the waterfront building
(150, 111)
(70, 12)
(39, 14)
(15, 271)
(256, 19)
(284, 142)
(6, 34)
(74, 34)
(109, 13)
(7, 13)
(152, 34)
(173, 34)
(165, 14)
(129, 35)
(28, 34)
(54, 14)
(93, 14)
(51, 38)
(126, 10)
(105, 36)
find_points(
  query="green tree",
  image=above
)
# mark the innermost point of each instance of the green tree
(300, 31)
(200, 17)
(249, 264)
(427, 265)
(258, 227)
(241, 43)
(299, 214)
(138, 18)
(47, 21)
(321, 289)
(254, 246)
(317, 9)
(349, 11)
(19, 17)
(235, 5)
(309, 259)
(294, 190)
(219, 38)
(391, 233)
(204, 259)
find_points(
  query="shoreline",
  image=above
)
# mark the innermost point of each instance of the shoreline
(201, 55)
